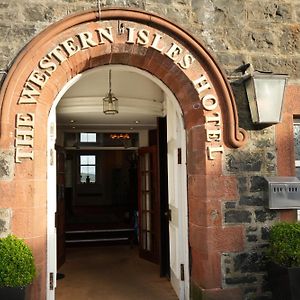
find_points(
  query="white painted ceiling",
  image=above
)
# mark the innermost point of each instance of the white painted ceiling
(140, 101)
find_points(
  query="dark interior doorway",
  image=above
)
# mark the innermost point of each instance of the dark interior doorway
(98, 200)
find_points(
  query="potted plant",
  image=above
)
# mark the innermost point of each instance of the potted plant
(283, 255)
(17, 268)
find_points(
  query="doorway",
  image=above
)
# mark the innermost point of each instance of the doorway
(148, 215)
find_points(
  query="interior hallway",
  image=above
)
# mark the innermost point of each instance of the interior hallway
(111, 273)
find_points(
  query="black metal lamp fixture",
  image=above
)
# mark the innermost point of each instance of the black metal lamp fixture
(110, 102)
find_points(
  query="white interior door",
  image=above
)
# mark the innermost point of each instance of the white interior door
(51, 206)
(177, 183)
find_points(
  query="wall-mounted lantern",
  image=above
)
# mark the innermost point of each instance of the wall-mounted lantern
(265, 92)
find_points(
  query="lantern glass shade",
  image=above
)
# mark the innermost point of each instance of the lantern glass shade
(110, 104)
(265, 92)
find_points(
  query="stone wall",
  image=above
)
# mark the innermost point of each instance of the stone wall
(266, 34)
(246, 269)
(250, 164)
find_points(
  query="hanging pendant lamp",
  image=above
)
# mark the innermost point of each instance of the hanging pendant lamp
(110, 102)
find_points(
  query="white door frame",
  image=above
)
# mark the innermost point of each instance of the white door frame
(183, 252)
(51, 194)
(51, 205)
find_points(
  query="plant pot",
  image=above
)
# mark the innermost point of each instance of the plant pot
(284, 282)
(12, 293)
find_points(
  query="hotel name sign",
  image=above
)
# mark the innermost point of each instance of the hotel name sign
(37, 80)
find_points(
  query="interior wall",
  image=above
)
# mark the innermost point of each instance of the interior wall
(112, 186)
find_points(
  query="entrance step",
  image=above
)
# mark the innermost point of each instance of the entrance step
(99, 236)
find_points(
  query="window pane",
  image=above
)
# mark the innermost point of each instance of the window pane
(91, 159)
(92, 137)
(149, 240)
(144, 240)
(87, 168)
(83, 137)
(88, 172)
(83, 174)
(92, 172)
(297, 140)
(87, 159)
(147, 161)
(83, 160)
(88, 137)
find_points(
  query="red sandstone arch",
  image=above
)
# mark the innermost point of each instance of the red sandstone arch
(207, 186)
(234, 136)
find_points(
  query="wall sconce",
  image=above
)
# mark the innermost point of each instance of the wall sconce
(265, 92)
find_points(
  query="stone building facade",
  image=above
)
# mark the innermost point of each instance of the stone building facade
(228, 226)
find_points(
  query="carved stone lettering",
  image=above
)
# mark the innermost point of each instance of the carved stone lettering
(70, 47)
(201, 84)
(28, 93)
(24, 136)
(213, 135)
(209, 102)
(215, 117)
(156, 42)
(86, 40)
(37, 80)
(174, 52)
(211, 150)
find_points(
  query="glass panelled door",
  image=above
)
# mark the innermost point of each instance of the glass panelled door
(148, 204)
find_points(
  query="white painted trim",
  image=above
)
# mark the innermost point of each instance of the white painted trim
(51, 183)
(51, 202)
(51, 192)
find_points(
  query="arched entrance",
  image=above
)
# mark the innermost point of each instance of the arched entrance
(149, 43)
(146, 98)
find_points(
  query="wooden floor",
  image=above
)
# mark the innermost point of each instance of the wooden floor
(111, 273)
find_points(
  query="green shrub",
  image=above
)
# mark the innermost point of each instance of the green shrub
(284, 248)
(17, 267)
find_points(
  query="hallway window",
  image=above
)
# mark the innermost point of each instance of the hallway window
(87, 168)
(88, 137)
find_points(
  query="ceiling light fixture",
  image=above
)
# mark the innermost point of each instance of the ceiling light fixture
(110, 102)
(122, 136)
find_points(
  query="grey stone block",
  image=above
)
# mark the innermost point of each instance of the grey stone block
(251, 201)
(6, 165)
(5, 222)
(263, 215)
(237, 216)
(244, 161)
(257, 184)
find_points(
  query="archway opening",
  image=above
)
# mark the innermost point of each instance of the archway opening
(121, 178)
